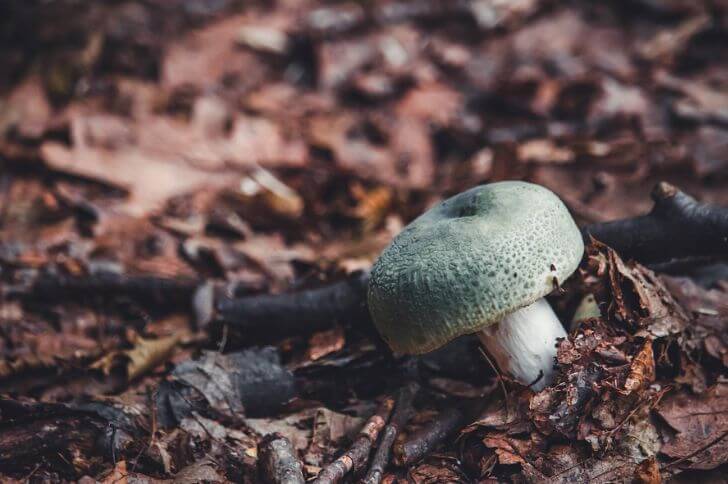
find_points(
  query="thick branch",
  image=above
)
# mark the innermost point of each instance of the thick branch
(678, 226)
(298, 312)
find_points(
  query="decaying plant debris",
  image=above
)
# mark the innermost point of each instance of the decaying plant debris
(192, 193)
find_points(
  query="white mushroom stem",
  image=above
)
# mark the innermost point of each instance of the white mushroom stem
(523, 344)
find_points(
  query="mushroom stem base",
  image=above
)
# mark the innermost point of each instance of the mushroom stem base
(523, 344)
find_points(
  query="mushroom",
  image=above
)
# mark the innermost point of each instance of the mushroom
(480, 262)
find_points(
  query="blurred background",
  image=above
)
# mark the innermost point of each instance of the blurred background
(272, 145)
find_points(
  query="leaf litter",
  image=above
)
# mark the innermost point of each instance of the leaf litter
(156, 149)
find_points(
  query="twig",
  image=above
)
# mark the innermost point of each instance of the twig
(402, 413)
(150, 289)
(279, 462)
(358, 453)
(297, 312)
(424, 440)
(678, 226)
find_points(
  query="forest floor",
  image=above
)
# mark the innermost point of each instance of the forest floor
(159, 160)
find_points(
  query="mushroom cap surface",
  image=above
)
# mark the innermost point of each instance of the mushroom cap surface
(469, 261)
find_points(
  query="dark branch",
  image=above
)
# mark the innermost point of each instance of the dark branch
(677, 227)
(426, 439)
(298, 312)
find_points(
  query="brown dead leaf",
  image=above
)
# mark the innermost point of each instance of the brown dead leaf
(647, 472)
(427, 473)
(634, 294)
(404, 158)
(118, 475)
(544, 151)
(642, 369)
(146, 355)
(435, 103)
(329, 428)
(700, 103)
(669, 43)
(325, 342)
(701, 422)
(708, 147)
(201, 471)
(203, 57)
(261, 187)
(26, 110)
(509, 450)
(150, 181)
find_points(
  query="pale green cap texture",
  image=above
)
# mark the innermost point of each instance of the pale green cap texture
(469, 261)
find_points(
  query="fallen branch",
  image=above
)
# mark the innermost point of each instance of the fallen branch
(279, 462)
(358, 453)
(402, 413)
(678, 226)
(426, 439)
(297, 312)
(141, 288)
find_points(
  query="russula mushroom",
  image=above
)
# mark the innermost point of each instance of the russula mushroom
(480, 262)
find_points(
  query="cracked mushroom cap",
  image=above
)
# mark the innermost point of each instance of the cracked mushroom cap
(469, 261)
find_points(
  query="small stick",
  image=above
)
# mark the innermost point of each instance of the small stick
(279, 462)
(424, 440)
(402, 413)
(358, 453)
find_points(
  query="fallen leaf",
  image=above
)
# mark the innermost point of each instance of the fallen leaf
(647, 472)
(325, 342)
(145, 355)
(544, 151)
(701, 422)
(118, 475)
(642, 369)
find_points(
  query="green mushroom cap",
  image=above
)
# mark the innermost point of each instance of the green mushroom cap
(469, 261)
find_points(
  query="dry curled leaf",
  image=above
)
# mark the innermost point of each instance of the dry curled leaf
(145, 355)
(642, 369)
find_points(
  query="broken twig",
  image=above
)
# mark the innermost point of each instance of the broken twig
(424, 440)
(402, 413)
(358, 453)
